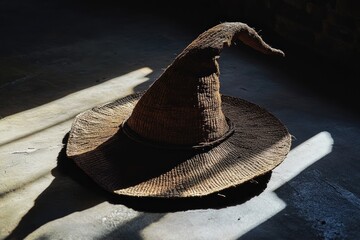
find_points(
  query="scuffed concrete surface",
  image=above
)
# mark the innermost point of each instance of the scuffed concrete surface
(60, 58)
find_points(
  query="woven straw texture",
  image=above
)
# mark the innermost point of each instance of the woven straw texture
(183, 107)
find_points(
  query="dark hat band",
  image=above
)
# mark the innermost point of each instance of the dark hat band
(201, 146)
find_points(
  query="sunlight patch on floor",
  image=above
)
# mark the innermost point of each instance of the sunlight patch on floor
(251, 213)
(36, 119)
(301, 157)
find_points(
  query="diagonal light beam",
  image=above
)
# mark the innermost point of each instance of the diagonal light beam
(234, 222)
(25, 123)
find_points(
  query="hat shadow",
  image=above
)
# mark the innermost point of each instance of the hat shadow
(61, 198)
(225, 198)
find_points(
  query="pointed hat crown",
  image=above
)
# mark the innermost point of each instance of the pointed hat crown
(183, 106)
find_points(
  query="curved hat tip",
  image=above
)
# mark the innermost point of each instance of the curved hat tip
(251, 38)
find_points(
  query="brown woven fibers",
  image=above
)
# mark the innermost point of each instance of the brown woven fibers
(183, 138)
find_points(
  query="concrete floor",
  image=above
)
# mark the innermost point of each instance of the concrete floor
(61, 58)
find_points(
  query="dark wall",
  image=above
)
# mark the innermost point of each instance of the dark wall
(327, 27)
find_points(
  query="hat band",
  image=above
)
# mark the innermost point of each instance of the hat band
(201, 146)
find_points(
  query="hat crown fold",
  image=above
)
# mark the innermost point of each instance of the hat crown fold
(183, 106)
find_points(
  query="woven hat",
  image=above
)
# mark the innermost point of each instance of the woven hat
(181, 137)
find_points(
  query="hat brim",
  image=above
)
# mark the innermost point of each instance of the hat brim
(125, 167)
